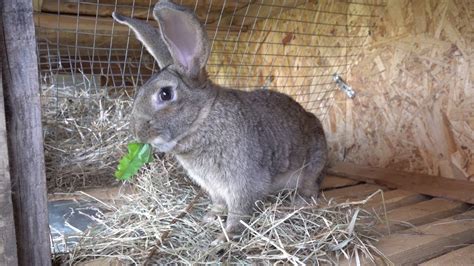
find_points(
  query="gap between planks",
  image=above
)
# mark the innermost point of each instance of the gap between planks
(333, 182)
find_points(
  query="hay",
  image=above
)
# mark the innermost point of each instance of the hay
(161, 224)
(85, 132)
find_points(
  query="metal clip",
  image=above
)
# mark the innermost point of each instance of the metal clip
(343, 86)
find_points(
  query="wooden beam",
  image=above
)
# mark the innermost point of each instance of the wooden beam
(427, 241)
(24, 132)
(7, 225)
(104, 24)
(87, 31)
(101, 9)
(105, 194)
(420, 183)
(462, 256)
(205, 10)
(79, 23)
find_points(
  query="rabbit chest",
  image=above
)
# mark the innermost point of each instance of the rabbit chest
(205, 173)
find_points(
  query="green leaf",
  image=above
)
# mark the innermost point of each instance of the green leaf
(138, 155)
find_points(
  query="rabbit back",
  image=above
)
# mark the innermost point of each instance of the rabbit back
(294, 139)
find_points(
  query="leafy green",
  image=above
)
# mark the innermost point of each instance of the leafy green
(138, 155)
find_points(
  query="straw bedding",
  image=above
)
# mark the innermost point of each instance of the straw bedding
(85, 132)
(161, 223)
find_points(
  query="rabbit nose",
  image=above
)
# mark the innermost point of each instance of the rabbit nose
(139, 124)
(139, 130)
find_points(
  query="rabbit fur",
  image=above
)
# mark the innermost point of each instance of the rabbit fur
(238, 146)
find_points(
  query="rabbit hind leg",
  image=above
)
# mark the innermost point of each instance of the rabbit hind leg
(309, 184)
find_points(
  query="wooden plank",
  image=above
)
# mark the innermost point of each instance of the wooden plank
(141, 9)
(331, 182)
(108, 195)
(25, 134)
(421, 213)
(81, 31)
(353, 192)
(428, 241)
(79, 23)
(104, 24)
(100, 9)
(394, 199)
(8, 252)
(421, 183)
(462, 256)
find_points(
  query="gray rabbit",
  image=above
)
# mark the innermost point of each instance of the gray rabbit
(238, 146)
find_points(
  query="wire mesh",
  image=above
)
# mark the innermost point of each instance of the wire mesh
(292, 46)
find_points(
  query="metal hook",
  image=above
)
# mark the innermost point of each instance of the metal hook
(344, 86)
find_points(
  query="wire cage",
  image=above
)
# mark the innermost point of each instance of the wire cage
(91, 66)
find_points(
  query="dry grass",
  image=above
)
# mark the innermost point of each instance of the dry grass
(84, 134)
(161, 223)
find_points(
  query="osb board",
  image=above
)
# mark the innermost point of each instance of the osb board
(414, 110)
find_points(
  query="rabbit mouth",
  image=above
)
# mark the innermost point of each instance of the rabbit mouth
(163, 145)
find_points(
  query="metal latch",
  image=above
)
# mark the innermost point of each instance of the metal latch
(343, 86)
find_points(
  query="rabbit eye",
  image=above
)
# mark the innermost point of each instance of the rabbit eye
(166, 94)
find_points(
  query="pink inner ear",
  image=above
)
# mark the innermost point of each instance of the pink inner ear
(184, 59)
(182, 37)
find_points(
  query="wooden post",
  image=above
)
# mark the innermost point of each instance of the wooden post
(7, 225)
(24, 131)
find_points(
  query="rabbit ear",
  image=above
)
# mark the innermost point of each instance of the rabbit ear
(150, 37)
(185, 37)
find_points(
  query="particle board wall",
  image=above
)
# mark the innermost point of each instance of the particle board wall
(415, 105)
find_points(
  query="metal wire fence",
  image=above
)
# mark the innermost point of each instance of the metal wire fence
(89, 65)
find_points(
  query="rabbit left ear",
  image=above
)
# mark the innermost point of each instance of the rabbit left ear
(185, 37)
(150, 37)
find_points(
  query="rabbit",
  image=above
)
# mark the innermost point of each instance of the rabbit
(238, 146)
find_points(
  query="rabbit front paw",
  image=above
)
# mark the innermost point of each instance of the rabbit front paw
(215, 211)
(224, 238)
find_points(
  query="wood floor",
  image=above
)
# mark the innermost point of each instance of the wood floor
(422, 229)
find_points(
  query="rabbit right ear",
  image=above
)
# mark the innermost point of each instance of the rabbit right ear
(185, 36)
(150, 37)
